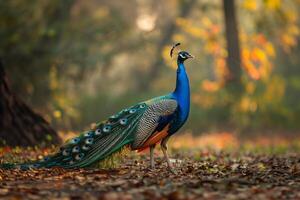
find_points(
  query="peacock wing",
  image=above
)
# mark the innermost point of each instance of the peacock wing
(157, 114)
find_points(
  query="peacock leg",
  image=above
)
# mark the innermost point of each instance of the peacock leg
(164, 149)
(152, 165)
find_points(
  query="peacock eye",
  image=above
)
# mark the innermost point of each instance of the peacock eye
(98, 132)
(123, 121)
(85, 147)
(75, 140)
(89, 141)
(79, 156)
(106, 128)
(88, 134)
(66, 152)
(36, 165)
(75, 149)
(131, 111)
(46, 158)
(142, 106)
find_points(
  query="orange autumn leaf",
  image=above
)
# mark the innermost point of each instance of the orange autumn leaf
(210, 86)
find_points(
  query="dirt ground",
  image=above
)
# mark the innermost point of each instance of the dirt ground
(199, 175)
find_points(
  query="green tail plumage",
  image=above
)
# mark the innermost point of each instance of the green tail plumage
(95, 145)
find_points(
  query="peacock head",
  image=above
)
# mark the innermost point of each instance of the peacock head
(182, 55)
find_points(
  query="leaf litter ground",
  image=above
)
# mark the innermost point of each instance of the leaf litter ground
(200, 174)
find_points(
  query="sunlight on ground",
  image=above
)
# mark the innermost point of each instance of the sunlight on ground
(216, 141)
(230, 141)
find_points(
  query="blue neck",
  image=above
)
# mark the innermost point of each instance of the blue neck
(182, 91)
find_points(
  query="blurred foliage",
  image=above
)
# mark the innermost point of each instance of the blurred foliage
(78, 62)
(269, 34)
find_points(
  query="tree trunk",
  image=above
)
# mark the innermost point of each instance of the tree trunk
(20, 125)
(232, 38)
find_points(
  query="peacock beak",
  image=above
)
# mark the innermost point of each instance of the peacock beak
(190, 56)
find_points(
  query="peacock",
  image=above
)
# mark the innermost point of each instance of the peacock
(138, 127)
